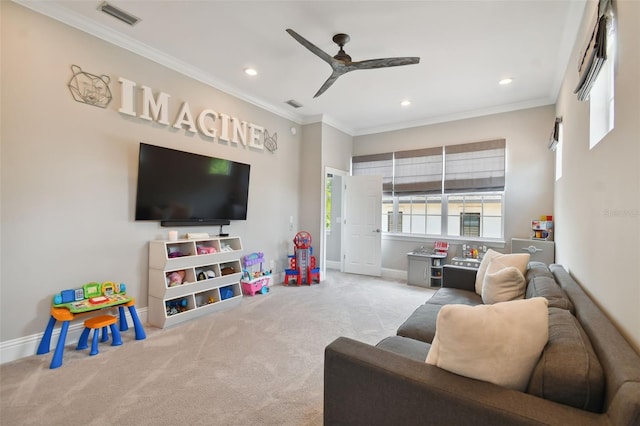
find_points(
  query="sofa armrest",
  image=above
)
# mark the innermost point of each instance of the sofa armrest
(460, 277)
(365, 385)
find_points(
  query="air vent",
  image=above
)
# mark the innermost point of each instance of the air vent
(293, 103)
(119, 14)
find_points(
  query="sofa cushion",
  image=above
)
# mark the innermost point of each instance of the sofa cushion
(568, 371)
(519, 260)
(410, 348)
(473, 341)
(537, 269)
(502, 283)
(421, 324)
(447, 296)
(543, 286)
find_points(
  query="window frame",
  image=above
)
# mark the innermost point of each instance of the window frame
(405, 197)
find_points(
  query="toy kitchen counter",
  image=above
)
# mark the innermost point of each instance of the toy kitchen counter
(466, 262)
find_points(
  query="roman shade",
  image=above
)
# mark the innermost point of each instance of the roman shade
(418, 171)
(375, 165)
(555, 134)
(478, 166)
(595, 53)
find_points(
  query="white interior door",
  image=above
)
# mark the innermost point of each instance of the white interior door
(362, 225)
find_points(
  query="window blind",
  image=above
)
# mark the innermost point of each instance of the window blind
(375, 165)
(418, 171)
(593, 59)
(595, 53)
(478, 166)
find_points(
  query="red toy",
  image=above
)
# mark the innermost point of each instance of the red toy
(302, 264)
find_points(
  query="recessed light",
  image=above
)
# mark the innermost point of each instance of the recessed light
(505, 81)
(250, 71)
(405, 103)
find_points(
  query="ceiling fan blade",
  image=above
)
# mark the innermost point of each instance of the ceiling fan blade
(332, 79)
(312, 47)
(384, 63)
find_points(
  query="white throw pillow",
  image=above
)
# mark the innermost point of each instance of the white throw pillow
(482, 269)
(498, 343)
(519, 260)
(502, 283)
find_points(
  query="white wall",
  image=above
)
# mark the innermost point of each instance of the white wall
(598, 197)
(69, 170)
(529, 167)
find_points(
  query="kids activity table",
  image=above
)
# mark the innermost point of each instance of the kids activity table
(68, 311)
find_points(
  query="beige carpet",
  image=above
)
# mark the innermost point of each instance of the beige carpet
(258, 364)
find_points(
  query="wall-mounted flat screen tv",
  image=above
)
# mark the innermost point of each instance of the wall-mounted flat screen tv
(181, 188)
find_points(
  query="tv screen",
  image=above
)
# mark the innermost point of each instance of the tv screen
(177, 186)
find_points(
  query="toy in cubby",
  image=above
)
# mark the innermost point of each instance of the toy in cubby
(206, 250)
(302, 264)
(175, 278)
(176, 306)
(254, 279)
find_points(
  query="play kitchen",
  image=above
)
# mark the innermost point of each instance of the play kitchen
(471, 256)
(425, 264)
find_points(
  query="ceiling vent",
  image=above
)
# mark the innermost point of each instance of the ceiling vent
(293, 103)
(119, 14)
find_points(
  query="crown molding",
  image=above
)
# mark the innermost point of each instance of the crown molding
(458, 116)
(107, 34)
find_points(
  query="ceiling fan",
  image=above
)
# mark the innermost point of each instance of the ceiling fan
(341, 63)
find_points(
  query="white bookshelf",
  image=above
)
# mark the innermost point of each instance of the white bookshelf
(212, 273)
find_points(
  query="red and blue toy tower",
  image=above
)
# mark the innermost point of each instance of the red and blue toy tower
(302, 264)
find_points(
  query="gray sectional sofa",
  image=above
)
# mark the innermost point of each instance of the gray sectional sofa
(587, 373)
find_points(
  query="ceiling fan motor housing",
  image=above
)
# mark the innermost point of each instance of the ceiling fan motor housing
(341, 39)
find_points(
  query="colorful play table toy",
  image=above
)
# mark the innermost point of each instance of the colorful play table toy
(89, 298)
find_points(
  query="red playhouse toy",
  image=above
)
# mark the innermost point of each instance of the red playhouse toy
(302, 264)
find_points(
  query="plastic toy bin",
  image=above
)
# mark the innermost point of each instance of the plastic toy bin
(226, 292)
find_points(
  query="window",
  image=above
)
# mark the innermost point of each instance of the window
(475, 215)
(602, 97)
(327, 197)
(596, 73)
(470, 224)
(421, 213)
(454, 191)
(558, 149)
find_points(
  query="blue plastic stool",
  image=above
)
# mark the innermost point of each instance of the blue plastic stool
(99, 323)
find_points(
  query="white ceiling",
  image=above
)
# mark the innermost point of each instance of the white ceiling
(465, 47)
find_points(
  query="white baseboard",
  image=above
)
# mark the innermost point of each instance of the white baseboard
(21, 347)
(394, 274)
(333, 264)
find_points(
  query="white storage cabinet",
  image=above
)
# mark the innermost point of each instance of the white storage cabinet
(201, 291)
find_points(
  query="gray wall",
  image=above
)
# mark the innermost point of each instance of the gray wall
(598, 197)
(69, 170)
(529, 168)
(323, 146)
